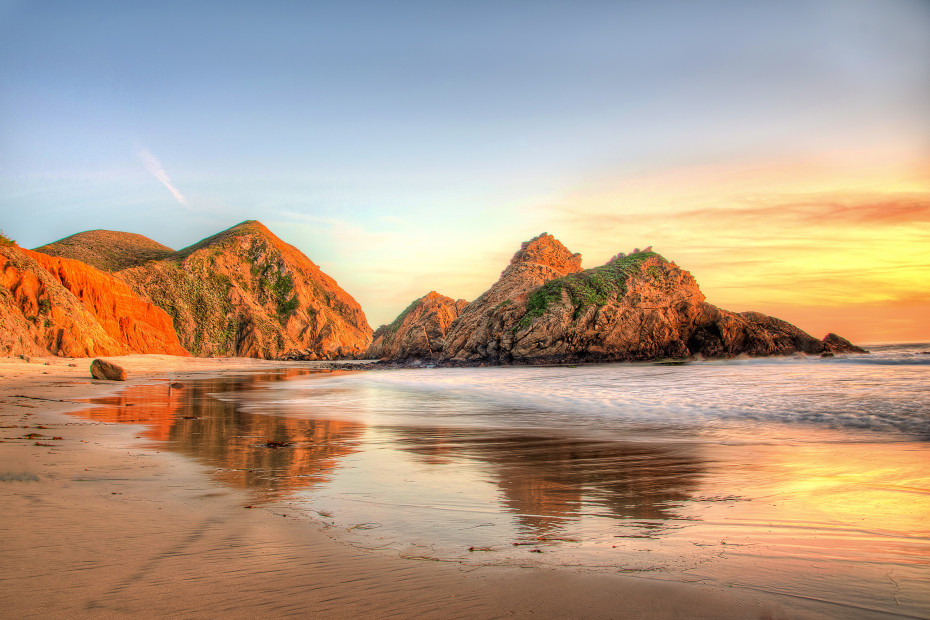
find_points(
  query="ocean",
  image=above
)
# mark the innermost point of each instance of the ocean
(805, 477)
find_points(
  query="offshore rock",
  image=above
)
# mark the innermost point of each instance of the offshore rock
(108, 371)
(420, 330)
(244, 292)
(62, 307)
(634, 307)
(546, 310)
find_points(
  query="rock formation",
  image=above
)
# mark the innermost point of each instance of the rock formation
(107, 250)
(419, 331)
(545, 309)
(479, 332)
(244, 292)
(63, 307)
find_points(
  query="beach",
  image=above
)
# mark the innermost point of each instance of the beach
(96, 525)
(100, 519)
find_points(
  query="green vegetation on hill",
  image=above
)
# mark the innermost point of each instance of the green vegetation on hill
(108, 250)
(591, 287)
(4, 240)
(285, 297)
(396, 323)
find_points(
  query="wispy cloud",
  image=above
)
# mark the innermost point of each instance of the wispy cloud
(154, 166)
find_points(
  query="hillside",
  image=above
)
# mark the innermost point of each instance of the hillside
(107, 250)
(545, 309)
(244, 292)
(57, 306)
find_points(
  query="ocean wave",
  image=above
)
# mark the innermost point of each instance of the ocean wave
(736, 398)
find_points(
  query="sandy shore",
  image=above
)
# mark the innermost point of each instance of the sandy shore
(96, 523)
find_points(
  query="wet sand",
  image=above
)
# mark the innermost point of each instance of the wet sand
(98, 522)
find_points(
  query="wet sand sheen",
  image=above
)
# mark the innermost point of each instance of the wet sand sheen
(94, 524)
(768, 518)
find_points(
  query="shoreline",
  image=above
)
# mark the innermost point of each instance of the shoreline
(100, 521)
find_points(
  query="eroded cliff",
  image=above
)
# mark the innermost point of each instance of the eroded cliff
(58, 306)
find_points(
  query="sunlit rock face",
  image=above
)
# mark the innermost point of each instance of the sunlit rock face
(479, 333)
(419, 331)
(244, 292)
(546, 309)
(59, 306)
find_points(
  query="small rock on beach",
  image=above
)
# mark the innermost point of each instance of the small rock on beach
(102, 369)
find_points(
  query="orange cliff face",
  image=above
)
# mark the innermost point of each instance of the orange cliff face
(67, 308)
(138, 325)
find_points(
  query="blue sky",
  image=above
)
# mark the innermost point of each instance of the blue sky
(412, 146)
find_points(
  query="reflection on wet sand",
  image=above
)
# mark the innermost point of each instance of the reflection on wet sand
(546, 481)
(830, 522)
(268, 454)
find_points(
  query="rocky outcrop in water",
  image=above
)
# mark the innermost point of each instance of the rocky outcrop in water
(545, 309)
(58, 306)
(419, 331)
(244, 292)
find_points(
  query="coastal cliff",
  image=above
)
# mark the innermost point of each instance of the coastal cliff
(58, 306)
(546, 309)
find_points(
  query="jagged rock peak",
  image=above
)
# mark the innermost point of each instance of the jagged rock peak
(546, 250)
(621, 255)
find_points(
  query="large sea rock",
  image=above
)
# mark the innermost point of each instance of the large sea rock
(546, 309)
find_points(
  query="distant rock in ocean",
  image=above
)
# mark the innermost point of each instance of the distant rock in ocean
(244, 292)
(546, 309)
(59, 306)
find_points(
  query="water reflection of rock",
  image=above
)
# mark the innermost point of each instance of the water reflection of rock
(546, 481)
(216, 433)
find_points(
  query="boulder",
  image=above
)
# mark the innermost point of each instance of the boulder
(108, 371)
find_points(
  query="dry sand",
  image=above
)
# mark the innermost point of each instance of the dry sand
(97, 524)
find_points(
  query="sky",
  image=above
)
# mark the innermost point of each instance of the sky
(779, 151)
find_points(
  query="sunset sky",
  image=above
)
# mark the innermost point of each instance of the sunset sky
(780, 151)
